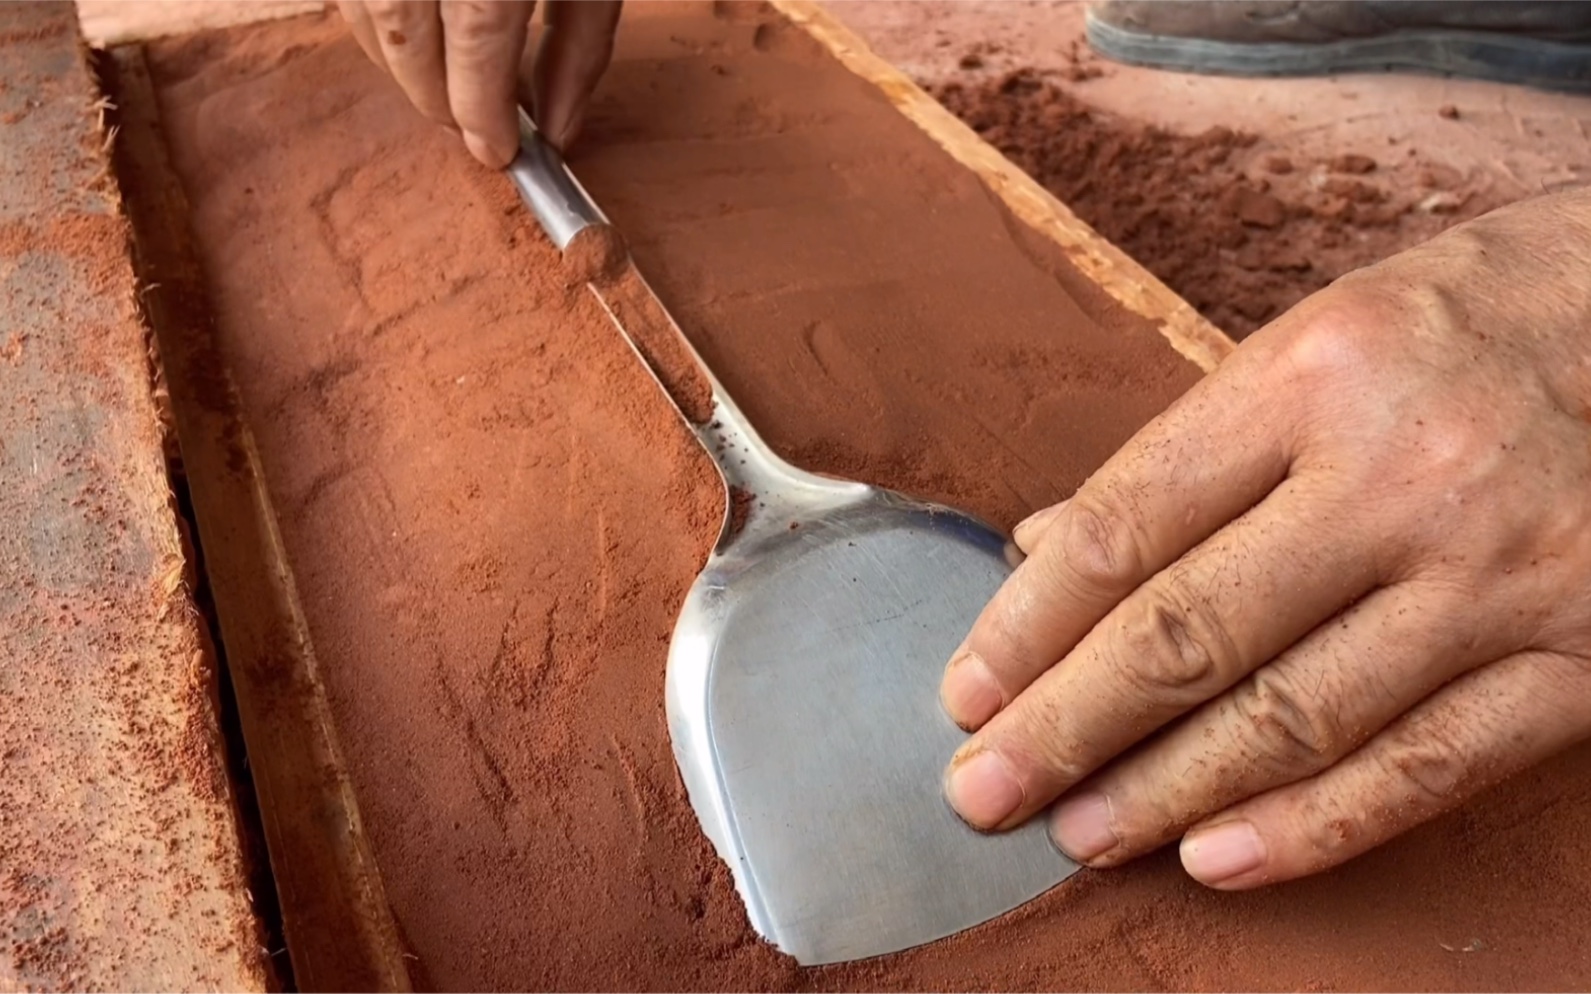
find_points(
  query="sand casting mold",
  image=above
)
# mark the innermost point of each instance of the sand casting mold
(492, 514)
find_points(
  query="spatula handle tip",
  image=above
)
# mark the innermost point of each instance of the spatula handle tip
(560, 204)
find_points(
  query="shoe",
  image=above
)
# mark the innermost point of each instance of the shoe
(1541, 44)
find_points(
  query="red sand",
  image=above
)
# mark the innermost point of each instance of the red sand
(595, 253)
(649, 328)
(1241, 235)
(492, 514)
(1459, 147)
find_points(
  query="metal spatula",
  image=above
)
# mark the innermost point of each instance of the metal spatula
(802, 685)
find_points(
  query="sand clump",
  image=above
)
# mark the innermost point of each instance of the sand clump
(594, 254)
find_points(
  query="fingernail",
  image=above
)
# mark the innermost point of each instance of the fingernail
(570, 131)
(968, 692)
(1030, 528)
(483, 150)
(982, 790)
(1026, 529)
(1216, 855)
(1081, 828)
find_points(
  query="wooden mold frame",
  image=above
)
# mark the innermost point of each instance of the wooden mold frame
(339, 928)
(1115, 272)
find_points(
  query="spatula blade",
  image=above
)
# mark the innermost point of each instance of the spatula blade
(803, 705)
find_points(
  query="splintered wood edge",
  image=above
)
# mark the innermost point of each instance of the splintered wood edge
(340, 930)
(1117, 273)
(115, 22)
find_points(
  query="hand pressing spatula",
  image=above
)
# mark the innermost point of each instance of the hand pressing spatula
(802, 682)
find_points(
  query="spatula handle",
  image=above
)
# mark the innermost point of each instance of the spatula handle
(549, 189)
(781, 491)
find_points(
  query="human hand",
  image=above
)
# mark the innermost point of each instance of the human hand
(1341, 586)
(459, 62)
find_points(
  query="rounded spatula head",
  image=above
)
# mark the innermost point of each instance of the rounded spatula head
(803, 705)
(803, 676)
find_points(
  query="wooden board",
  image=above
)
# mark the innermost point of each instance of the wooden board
(114, 22)
(121, 863)
(339, 929)
(1196, 339)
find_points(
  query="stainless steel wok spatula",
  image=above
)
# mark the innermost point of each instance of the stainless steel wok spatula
(802, 685)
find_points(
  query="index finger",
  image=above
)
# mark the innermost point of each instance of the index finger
(1213, 455)
(484, 42)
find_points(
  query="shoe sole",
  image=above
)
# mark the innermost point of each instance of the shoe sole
(1547, 65)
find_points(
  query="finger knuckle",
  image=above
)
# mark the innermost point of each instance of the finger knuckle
(1004, 636)
(1337, 339)
(393, 12)
(475, 24)
(1455, 447)
(1037, 739)
(1329, 827)
(1099, 548)
(1285, 725)
(1428, 768)
(1175, 644)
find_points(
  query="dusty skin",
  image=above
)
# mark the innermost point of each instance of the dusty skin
(1355, 558)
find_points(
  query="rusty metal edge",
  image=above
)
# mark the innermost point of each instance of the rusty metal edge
(340, 931)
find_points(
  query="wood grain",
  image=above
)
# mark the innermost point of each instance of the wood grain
(339, 928)
(114, 22)
(121, 859)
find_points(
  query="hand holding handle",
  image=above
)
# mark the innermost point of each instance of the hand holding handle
(549, 189)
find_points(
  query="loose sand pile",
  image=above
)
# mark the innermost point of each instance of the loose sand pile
(1241, 233)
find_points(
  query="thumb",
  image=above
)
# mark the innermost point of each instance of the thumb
(1030, 530)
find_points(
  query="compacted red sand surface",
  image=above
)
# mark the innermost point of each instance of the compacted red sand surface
(492, 515)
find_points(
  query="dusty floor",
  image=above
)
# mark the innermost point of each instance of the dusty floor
(1239, 259)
